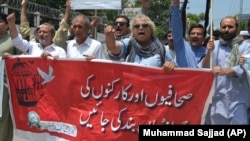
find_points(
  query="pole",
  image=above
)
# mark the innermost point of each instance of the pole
(95, 30)
(211, 31)
(240, 14)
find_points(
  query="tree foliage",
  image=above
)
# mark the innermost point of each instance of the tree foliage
(193, 19)
(159, 13)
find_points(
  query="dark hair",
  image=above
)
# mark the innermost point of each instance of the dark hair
(166, 35)
(197, 26)
(216, 33)
(169, 31)
(163, 38)
(3, 17)
(123, 16)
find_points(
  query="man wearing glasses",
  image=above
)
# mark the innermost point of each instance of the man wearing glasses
(142, 48)
(121, 25)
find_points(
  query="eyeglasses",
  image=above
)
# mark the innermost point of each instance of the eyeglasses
(140, 25)
(119, 23)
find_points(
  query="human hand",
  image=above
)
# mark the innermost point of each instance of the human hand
(6, 55)
(24, 3)
(168, 66)
(210, 45)
(89, 57)
(68, 4)
(45, 54)
(241, 60)
(218, 71)
(109, 29)
(95, 22)
(11, 18)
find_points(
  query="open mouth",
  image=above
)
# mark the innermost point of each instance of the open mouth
(118, 29)
(141, 33)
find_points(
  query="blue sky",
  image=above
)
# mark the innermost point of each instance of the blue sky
(221, 8)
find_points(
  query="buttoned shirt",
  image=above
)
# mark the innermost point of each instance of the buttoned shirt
(36, 49)
(186, 54)
(90, 47)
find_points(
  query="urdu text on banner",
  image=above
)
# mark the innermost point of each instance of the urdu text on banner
(95, 4)
(80, 100)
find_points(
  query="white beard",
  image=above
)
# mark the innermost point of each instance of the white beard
(42, 41)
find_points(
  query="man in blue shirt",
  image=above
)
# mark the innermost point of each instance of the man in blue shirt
(188, 54)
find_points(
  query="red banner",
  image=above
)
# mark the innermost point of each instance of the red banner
(78, 100)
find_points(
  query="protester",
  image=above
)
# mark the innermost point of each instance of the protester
(25, 30)
(244, 34)
(44, 48)
(6, 48)
(216, 35)
(61, 37)
(231, 99)
(83, 46)
(121, 25)
(94, 24)
(170, 44)
(61, 33)
(188, 54)
(142, 47)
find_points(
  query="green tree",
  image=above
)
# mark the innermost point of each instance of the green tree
(243, 25)
(195, 19)
(159, 13)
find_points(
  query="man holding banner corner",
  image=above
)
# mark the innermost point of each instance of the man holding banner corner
(231, 99)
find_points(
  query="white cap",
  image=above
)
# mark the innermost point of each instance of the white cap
(244, 33)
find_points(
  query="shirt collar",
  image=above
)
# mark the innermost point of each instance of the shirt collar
(87, 42)
(49, 46)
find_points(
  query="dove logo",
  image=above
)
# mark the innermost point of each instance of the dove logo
(47, 77)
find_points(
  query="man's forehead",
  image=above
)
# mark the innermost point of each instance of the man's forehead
(45, 26)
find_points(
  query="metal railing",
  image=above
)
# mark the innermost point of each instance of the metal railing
(33, 8)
